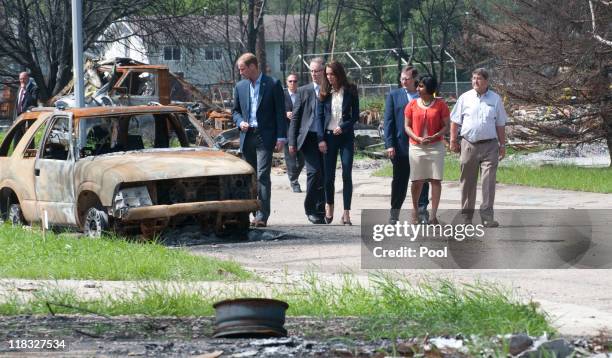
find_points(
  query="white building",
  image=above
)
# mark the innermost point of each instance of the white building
(212, 63)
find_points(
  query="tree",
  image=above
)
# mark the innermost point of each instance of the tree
(309, 16)
(393, 18)
(555, 54)
(37, 35)
(435, 24)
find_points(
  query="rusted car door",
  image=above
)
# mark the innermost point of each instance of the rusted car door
(17, 170)
(53, 171)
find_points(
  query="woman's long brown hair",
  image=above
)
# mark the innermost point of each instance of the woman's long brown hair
(338, 70)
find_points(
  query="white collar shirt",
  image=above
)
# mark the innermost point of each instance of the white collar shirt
(254, 100)
(410, 95)
(479, 115)
(292, 96)
(336, 109)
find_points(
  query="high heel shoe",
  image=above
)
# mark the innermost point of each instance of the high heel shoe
(346, 220)
(329, 208)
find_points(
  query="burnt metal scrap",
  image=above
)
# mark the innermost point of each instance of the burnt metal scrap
(125, 82)
(127, 169)
(250, 318)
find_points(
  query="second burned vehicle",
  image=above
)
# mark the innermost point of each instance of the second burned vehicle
(122, 168)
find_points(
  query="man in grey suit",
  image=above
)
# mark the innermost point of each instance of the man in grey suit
(259, 112)
(295, 161)
(303, 137)
(396, 142)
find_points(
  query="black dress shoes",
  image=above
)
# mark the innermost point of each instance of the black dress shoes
(315, 219)
(296, 188)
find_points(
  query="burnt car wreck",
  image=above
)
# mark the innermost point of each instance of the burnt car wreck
(128, 169)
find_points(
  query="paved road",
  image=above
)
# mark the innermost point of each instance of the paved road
(580, 300)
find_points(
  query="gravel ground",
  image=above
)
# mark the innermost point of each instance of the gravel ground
(88, 335)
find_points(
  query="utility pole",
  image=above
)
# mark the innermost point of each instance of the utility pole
(77, 52)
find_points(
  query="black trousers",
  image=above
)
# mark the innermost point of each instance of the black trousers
(343, 144)
(314, 203)
(399, 184)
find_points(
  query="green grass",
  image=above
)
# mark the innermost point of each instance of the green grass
(24, 254)
(388, 307)
(567, 177)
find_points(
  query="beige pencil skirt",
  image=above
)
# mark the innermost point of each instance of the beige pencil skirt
(426, 161)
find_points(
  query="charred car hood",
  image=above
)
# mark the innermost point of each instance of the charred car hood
(112, 169)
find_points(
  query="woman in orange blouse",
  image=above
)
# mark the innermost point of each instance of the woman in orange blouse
(426, 122)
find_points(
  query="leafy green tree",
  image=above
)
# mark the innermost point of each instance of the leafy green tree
(436, 23)
(379, 24)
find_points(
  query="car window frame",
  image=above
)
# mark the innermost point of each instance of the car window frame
(8, 139)
(50, 123)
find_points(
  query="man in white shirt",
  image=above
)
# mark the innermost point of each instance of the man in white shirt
(480, 113)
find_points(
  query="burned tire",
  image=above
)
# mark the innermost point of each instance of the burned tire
(243, 223)
(15, 216)
(95, 223)
(236, 226)
(240, 228)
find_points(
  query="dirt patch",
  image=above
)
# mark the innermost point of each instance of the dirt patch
(88, 335)
(142, 336)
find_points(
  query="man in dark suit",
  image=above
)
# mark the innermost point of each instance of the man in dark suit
(27, 96)
(294, 162)
(396, 142)
(303, 137)
(259, 112)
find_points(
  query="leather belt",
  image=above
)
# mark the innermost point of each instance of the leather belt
(481, 141)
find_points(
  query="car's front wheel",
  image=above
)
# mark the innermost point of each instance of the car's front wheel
(15, 216)
(96, 223)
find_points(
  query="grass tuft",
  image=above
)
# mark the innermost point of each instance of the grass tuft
(387, 306)
(392, 304)
(24, 254)
(565, 177)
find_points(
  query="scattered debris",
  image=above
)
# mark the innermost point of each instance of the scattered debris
(370, 117)
(308, 336)
(519, 343)
(124, 81)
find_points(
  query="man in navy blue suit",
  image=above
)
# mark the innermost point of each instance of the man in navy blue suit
(396, 142)
(259, 112)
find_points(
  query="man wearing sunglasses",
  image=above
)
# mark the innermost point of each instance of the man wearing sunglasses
(294, 163)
